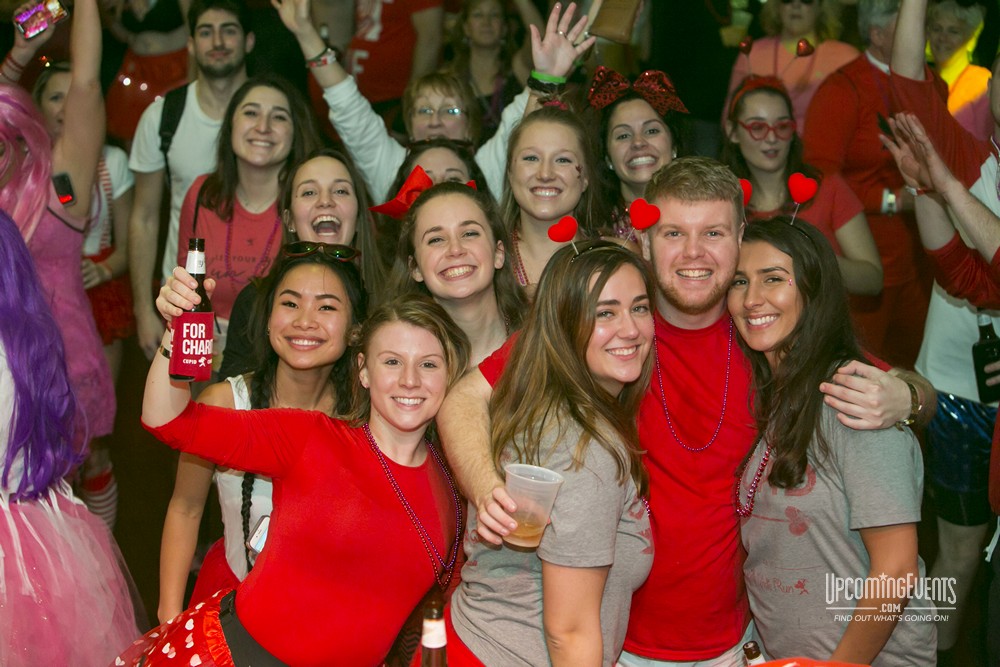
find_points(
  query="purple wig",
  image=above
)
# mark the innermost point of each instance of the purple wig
(45, 408)
(26, 162)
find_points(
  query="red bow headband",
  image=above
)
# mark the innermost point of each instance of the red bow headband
(412, 187)
(653, 86)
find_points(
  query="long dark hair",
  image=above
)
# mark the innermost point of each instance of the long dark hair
(547, 378)
(609, 183)
(787, 403)
(510, 297)
(732, 156)
(263, 381)
(373, 272)
(44, 430)
(219, 190)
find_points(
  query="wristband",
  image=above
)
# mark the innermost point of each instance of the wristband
(164, 351)
(547, 78)
(329, 56)
(916, 192)
(915, 407)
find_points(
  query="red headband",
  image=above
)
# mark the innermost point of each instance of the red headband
(653, 86)
(753, 83)
(412, 187)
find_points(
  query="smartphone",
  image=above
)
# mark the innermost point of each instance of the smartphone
(37, 18)
(64, 188)
(259, 535)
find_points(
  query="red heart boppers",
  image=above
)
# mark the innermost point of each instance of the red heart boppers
(804, 48)
(801, 187)
(745, 45)
(564, 230)
(747, 188)
(642, 214)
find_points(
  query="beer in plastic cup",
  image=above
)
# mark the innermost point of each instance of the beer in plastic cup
(534, 490)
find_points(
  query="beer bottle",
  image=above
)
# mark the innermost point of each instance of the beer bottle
(191, 341)
(985, 351)
(752, 655)
(433, 638)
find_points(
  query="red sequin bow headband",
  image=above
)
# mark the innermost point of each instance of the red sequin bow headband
(653, 86)
(412, 187)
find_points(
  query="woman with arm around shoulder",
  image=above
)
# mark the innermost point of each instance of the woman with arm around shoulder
(821, 503)
(307, 306)
(367, 508)
(567, 401)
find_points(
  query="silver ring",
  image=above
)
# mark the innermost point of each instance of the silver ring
(561, 33)
(586, 35)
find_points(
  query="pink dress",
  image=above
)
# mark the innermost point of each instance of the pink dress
(56, 247)
(65, 594)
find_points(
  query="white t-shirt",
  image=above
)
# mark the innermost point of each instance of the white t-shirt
(192, 153)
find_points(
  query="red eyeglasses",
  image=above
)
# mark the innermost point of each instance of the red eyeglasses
(758, 129)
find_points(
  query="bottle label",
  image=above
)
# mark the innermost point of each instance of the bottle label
(191, 347)
(195, 264)
(433, 635)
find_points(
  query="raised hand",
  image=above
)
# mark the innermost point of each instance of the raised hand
(563, 44)
(178, 294)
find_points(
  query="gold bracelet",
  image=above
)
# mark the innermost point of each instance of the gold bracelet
(164, 351)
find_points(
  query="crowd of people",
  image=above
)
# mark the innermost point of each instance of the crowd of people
(465, 242)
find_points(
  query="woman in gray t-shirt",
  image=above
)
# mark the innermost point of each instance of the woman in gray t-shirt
(567, 400)
(829, 513)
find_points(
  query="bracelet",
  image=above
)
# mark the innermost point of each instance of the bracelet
(543, 87)
(916, 192)
(164, 351)
(547, 78)
(329, 56)
(915, 407)
(13, 64)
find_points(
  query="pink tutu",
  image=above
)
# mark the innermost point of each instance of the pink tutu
(65, 595)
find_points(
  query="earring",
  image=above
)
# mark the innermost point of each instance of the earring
(268, 332)
(673, 154)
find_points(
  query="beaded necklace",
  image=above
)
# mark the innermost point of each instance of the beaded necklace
(437, 561)
(264, 256)
(747, 510)
(519, 272)
(725, 396)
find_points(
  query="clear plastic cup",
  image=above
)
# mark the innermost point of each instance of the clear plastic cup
(534, 489)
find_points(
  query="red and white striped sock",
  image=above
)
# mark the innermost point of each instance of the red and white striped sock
(100, 495)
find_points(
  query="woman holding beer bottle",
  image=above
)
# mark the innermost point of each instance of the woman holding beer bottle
(309, 374)
(368, 513)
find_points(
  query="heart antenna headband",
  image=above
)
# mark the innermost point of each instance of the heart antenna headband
(802, 189)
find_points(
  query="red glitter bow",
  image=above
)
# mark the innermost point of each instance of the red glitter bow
(412, 187)
(653, 86)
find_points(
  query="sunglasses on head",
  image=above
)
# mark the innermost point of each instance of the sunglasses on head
(342, 253)
(758, 129)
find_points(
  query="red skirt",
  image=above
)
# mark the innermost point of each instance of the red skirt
(112, 305)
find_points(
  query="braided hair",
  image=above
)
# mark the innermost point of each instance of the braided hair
(262, 381)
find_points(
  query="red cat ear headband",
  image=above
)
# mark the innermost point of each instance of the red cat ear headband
(412, 187)
(653, 86)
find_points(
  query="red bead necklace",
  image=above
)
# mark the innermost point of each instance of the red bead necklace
(438, 563)
(747, 510)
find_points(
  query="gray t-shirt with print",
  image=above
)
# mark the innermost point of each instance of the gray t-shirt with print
(801, 541)
(595, 522)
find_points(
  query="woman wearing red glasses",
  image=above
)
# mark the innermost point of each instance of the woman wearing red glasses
(765, 149)
(781, 55)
